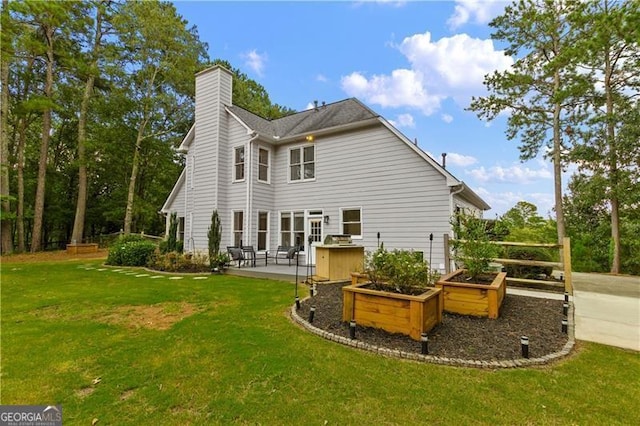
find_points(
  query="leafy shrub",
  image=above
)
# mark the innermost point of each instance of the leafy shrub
(404, 270)
(472, 246)
(529, 253)
(130, 250)
(178, 262)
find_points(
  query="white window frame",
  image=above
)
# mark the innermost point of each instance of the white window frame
(342, 222)
(266, 231)
(302, 163)
(293, 231)
(234, 164)
(234, 240)
(267, 165)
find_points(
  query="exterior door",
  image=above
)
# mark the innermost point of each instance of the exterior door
(315, 232)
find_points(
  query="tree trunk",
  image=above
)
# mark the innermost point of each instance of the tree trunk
(77, 234)
(128, 217)
(613, 163)
(38, 216)
(557, 163)
(22, 137)
(6, 236)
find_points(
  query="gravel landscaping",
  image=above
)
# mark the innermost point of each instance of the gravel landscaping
(458, 336)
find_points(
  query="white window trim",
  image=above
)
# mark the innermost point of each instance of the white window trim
(233, 164)
(354, 237)
(233, 226)
(315, 162)
(292, 231)
(268, 181)
(268, 236)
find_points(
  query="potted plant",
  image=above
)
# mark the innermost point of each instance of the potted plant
(398, 295)
(474, 289)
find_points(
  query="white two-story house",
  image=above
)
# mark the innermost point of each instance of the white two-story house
(339, 168)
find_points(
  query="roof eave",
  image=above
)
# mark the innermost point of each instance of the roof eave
(188, 140)
(326, 131)
(174, 192)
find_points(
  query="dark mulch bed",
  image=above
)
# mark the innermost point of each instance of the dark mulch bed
(458, 336)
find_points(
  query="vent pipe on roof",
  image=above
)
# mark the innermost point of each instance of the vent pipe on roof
(316, 105)
(324, 104)
(444, 160)
(415, 141)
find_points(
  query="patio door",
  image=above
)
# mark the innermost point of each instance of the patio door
(315, 232)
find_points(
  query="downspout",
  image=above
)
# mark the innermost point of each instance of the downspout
(249, 201)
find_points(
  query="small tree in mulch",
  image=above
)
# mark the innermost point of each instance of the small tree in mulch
(217, 260)
(172, 238)
(472, 245)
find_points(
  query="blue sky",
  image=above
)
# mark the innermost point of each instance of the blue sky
(416, 63)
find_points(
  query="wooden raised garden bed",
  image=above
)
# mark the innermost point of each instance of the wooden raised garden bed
(465, 298)
(392, 312)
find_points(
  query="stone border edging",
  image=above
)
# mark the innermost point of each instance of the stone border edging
(457, 362)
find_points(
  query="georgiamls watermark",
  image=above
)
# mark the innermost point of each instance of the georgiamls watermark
(30, 415)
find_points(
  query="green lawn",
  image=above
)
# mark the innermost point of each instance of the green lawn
(234, 356)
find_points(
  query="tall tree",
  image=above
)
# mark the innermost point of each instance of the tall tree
(538, 92)
(610, 53)
(92, 72)
(6, 238)
(163, 55)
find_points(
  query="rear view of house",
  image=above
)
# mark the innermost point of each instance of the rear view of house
(335, 169)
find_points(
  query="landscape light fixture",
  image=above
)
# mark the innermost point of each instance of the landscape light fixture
(524, 345)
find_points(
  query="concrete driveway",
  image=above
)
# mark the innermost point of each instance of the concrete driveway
(607, 309)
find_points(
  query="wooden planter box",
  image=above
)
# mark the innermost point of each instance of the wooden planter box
(82, 248)
(393, 312)
(482, 300)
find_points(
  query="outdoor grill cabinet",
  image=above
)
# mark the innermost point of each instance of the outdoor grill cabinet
(335, 262)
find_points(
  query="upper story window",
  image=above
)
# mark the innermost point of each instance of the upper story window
(352, 222)
(263, 165)
(302, 163)
(238, 163)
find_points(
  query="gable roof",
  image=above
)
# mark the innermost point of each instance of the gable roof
(323, 117)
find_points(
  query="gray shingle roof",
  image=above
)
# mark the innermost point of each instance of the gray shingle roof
(331, 115)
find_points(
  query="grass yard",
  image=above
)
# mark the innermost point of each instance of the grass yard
(124, 347)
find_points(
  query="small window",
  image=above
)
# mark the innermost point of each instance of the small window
(238, 225)
(298, 229)
(263, 165)
(263, 230)
(352, 222)
(238, 163)
(285, 229)
(302, 163)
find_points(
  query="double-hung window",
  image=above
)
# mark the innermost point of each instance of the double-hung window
(292, 229)
(302, 163)
(263, 230)
(238, 163)
(352, 222)
(238, 227)
(263, 165)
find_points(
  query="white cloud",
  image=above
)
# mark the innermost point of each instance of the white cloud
(321, 78)
(309, 106)
(460, 159)
(446, 118)
(451, 67)
(515, 174)
(475, 11)
(400, 89)
(500, 202)
(255, 61)
(403, 120)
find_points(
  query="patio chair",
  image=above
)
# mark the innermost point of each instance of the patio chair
(236, 253)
